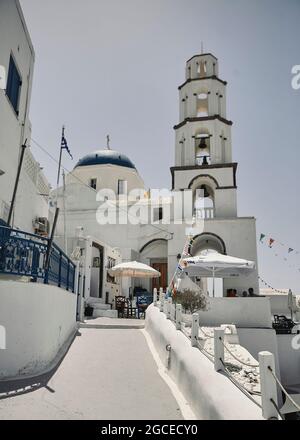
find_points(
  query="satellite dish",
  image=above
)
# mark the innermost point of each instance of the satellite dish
(2, 78)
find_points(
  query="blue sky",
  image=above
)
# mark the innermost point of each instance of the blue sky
(114, 67)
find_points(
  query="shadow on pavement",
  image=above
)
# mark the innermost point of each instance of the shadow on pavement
(16, 387)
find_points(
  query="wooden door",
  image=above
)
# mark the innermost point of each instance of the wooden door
(162, 281)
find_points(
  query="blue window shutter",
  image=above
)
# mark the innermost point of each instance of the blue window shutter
(13, 85)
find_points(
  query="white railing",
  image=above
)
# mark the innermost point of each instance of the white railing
(204, 213)
(266, 399)
(203, 160)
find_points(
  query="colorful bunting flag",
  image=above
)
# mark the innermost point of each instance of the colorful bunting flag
(262, 236)
(271, 242)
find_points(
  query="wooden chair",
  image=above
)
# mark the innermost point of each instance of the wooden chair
(120, 303)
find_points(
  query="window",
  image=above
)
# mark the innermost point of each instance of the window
(202, 104)
(157, 214)
(122, 187)
(201, 69)
(13, 86)
(93, 183)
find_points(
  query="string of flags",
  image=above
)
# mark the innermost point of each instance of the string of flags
(263, 239)
(286, 252)
(185, 253)
(269, 286)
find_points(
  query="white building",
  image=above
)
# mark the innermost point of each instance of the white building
(17, 64)
(203, 161)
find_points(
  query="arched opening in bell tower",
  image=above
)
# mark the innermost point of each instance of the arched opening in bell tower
(202, 148)
(207, 242)
(204, 202)
(201, 69)
(202, 104)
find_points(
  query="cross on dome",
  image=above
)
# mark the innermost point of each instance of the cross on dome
(107, 142)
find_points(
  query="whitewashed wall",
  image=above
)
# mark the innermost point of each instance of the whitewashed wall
(39, 320)
(211, 395)
(107, 176)
(243, 312)
(289, 359)
(15, 129)
(30, 203)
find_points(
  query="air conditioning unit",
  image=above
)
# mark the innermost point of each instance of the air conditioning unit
(41, 226)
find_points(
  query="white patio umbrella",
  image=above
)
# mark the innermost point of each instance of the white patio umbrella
(133, 269)
(224, 266)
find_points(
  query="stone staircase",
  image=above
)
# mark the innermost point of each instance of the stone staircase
(101, 309)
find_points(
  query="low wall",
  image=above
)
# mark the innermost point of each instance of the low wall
(243, 312)
(39, 321)
(260, 339)
(279, 305)
(289, 358)
(211, 395)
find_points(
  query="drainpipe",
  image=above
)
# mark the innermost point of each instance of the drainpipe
(16, 183)
(47, 258)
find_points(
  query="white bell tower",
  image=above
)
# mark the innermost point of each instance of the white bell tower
(203, 160)
(203, 136)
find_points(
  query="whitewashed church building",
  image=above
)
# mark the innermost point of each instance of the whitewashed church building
(203, 161)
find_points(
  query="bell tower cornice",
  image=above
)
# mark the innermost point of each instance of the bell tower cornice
(202, 55)
(214, 77)
(203, 118)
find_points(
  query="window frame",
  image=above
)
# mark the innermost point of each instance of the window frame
(95, 180)
(12, 70)
(158, 211)
(124, 183)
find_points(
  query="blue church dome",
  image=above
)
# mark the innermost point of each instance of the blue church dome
(103, 157)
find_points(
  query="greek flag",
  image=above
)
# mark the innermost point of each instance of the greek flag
(64, 145)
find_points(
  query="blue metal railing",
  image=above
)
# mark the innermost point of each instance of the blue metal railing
(24, 254)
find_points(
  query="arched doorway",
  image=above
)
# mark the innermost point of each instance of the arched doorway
(203, 244)
(155, 254)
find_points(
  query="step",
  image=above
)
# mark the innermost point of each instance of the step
(108, 323)
(98, 313)
(97, 303)
(100, 306)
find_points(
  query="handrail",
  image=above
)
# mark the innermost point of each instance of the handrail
(23, 254)
(283, 389)
(19, 231)
(236, 358)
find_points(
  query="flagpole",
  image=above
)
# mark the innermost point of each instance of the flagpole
(60, 154)
(63, 145)
(65, 218)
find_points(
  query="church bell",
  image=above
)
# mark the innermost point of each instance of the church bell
(202, 144)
